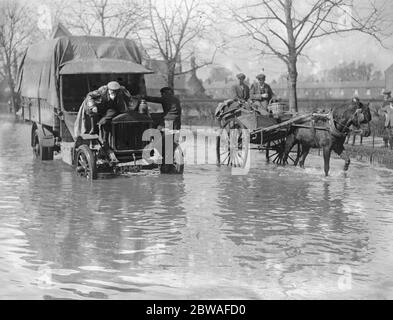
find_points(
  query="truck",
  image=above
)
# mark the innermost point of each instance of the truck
(54, 78)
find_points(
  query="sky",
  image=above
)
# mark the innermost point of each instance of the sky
(323, 54)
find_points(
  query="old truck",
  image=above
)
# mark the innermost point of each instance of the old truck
(54, 77)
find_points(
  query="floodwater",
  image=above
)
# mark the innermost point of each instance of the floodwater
(274, 233)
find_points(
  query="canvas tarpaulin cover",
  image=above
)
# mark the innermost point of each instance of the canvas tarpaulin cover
(42, 63)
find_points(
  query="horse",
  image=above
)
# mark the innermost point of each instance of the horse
(331, 137)
(376, 126)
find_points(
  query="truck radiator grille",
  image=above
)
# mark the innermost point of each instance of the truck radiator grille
(128, 136)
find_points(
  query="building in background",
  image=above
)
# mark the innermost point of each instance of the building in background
(311, 90)
(157, 80)
(334, 90)
(389, 78)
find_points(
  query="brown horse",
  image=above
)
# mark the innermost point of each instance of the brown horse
(336, 126)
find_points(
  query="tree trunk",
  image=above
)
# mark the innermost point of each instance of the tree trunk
(10, 81)
(292, 81)
(292, 57)
(171, 75)
(12, 98)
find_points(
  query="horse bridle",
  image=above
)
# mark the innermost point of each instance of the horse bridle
(345, 127)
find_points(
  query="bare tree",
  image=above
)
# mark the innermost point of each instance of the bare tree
(103, 17)
(284, 29)
(16, 31)
(176, 28)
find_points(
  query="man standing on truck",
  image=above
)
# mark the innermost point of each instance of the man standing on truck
(105, 103)
(170, 105)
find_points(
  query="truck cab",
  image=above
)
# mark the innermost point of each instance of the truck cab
(54, 79)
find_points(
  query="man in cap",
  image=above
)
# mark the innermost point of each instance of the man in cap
(261, 93)
(387, 95)
(356, 102)
(382, 112)
(105, 103)
(387, 112)
(171, 107)
(241, 91)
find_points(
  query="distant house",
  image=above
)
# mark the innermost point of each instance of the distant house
(334, 90)
(60, 31)
(219, 89)
(312, 90)
(157, 80)
(4, 91)
(389, 78)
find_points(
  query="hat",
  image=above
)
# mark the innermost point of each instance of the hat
(261, 76)
(241, 76)
(113, 85)
(387, 92)
(166, 89)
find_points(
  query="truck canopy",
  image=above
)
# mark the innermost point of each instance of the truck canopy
(44, 62)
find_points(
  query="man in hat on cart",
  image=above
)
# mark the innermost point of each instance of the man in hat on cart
(241, 91)
(261, 93)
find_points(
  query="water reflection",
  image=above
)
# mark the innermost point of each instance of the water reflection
(274, 233)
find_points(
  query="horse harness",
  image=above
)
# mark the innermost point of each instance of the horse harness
(342, 134)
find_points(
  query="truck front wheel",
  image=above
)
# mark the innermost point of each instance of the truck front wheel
(86, 163)
(40, 152)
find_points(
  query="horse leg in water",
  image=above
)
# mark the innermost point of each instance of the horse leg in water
(289, 143)
(326, 159)
(338, 147)
(298, 154)
(344, 155)
(305, 151)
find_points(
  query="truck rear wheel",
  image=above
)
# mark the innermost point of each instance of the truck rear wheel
(86, 163)
(40, 152)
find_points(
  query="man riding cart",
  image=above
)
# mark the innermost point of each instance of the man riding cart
(258, 98)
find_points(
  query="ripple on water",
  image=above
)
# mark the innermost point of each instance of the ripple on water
(277, 232)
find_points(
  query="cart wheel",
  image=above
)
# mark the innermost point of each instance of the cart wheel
(86, 163)
(40, 152)
(178, 162)
(231, 146)
(278, 151)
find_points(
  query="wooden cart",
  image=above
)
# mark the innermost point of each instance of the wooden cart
(242, 128)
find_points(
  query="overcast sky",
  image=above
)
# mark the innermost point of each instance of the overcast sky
(324, 53)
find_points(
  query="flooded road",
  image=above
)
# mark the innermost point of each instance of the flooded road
(275, 233)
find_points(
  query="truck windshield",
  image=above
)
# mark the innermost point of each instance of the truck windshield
(76, 86)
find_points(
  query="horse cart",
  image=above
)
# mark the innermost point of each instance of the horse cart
(242, 126)
(54, 78)
(277, 131)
